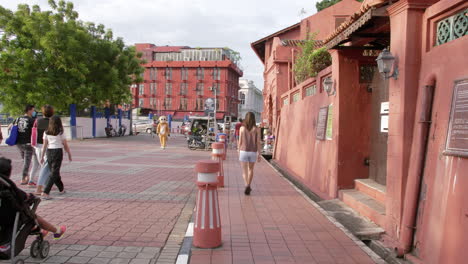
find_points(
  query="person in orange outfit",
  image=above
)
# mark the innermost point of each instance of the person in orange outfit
(163, 131)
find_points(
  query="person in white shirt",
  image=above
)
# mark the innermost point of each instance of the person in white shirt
(54, 143)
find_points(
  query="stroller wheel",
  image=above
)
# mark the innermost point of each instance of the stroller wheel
(45, 247)
(35, 248)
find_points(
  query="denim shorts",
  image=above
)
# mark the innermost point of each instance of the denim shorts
(247, 156)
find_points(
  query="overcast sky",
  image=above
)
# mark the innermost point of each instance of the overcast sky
(195, 23)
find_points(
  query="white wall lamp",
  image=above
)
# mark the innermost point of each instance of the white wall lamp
(328, 86)
(385, 63)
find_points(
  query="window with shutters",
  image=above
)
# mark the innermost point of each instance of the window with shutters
(153, 74)
(168, 103)
(141, 89)
(216, 74)
(153, 88)
(200, 88)
(183, 103)
(168, 73)
(183, 88)
(184, 74)
(168, 88)
(200, 73)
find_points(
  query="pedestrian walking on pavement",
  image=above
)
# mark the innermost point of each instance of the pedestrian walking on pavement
(23, 142)
(249, 149)
(54, 143)
(42, 126)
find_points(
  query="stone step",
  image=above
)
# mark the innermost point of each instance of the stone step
(360, 226)
(372, 188)
(365, 205)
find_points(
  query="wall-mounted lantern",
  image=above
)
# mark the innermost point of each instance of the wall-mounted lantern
(328, 86)
(385, 63)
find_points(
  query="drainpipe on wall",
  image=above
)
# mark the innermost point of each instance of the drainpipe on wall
(416, 171)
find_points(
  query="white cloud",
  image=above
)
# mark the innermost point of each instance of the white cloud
(195, 23)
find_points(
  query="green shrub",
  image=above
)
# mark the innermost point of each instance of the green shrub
(310, 61)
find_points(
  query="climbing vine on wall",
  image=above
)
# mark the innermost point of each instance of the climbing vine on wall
(311, 60)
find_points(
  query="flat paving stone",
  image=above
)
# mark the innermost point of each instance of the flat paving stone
(124, 197)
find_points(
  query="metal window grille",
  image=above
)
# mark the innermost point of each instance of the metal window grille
(453, 27)
(296, 96)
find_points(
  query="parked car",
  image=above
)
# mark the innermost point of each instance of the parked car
(143, 126)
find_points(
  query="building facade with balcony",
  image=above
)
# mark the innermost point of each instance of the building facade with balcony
(250, 99)
(178, 80)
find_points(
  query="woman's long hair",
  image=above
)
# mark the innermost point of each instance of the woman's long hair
(249, 121)
(55, 126)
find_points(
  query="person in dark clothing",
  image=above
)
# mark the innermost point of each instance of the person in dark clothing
(54, 143)
(25, 198)
(42, 125)
(23, 142)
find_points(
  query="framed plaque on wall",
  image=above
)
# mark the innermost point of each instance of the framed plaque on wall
(457, 134)
(322, 123)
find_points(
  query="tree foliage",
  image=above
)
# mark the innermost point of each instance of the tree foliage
(327, 3)
(310, 61)
(51, 57)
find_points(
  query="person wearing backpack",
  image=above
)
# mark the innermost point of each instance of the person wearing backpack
(23, 141)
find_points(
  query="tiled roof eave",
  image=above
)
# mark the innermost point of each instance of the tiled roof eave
(347, 28)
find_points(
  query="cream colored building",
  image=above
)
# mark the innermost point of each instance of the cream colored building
(251, 99)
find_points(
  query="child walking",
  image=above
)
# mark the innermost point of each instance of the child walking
(54, 143)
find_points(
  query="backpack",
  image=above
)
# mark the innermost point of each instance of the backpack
(11, 140)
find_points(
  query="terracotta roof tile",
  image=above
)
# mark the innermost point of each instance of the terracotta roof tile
(366, 6)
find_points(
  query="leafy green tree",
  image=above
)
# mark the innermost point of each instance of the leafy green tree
(52, 57)
(310, 60)
(327, 3)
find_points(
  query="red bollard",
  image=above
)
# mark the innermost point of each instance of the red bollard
(207, 229)
(222, 139)
(217, 155)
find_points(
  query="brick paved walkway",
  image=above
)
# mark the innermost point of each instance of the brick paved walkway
(124, 197)
(275, 224)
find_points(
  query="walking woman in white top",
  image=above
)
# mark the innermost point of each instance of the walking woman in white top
(54, 143)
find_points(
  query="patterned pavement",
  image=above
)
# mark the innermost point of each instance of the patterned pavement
(124, 197)
(277, 224)
(128, 201)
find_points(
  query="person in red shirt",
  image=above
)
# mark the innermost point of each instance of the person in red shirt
(237, 127)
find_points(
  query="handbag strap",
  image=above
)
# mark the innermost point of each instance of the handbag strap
(35, 123)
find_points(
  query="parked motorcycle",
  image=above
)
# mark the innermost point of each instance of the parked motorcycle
(196, 142)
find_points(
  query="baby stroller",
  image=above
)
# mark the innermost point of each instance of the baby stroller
(18, 221)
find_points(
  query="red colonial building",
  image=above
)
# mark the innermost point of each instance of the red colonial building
(178, 80)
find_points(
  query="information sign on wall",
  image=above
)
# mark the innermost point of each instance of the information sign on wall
(322, 123)
(457, 135)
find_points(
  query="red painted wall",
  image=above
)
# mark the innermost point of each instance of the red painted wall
(311, 161)
(442, 225)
